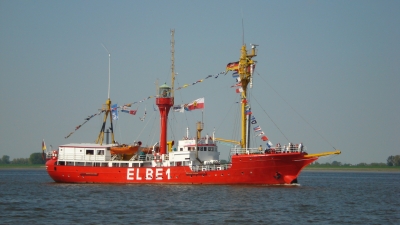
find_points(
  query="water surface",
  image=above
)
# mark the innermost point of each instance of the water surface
(29, 196)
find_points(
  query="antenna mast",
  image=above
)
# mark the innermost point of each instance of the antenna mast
(109, 74)
(242, 30)
(109, 69)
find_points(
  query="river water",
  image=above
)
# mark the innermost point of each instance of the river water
(29, 196)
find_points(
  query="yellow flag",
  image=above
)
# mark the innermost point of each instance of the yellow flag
(43, 146)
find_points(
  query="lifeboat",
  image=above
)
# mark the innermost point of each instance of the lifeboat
(124, 149)
(149, 150)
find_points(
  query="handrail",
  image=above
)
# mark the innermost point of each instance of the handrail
(199, 168)
(337, 152)
(274, 150)
(226, 140)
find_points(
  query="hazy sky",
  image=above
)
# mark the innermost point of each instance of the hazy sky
(327, 74)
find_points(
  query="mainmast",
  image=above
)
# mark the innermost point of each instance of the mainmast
(165, 101)
(172, 61)
(245, 70)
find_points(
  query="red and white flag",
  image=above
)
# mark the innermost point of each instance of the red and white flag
(196, 104)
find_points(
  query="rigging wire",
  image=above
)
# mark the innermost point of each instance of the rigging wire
(296, 111)
(237, 125)
(226, 116)
(180, 93)
(172, 121)
(270, 118)
(144, 127)
(154, 127)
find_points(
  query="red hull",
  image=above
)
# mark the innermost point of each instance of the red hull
(267, 169)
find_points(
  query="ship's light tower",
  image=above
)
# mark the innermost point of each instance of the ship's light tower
(164, 103)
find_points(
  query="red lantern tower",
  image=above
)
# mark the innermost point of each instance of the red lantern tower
(164, 103)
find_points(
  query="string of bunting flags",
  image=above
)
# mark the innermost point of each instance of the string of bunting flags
(126, 108)
(259, 132)
(199, 81)
(86, 120)
(178, 88)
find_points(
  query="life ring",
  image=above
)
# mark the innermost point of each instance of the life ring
(54, 155)
(157, 157)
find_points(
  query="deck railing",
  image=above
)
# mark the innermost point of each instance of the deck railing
(196, 168)
(273, 150)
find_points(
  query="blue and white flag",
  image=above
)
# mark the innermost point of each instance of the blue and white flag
(114, 112)
(235, 74)
(257, 128)
(179, 108)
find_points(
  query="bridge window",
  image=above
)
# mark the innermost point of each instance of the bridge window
(89, 152)
(100, 152)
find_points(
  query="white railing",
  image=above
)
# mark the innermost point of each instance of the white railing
(273, 150)
(83, 157)
(196, 168)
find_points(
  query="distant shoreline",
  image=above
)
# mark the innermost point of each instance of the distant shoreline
(19, 167)
(355, 169)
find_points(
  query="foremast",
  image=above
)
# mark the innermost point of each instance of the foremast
(245, 71)
(107, 109)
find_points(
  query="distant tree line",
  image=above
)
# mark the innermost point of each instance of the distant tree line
(34, 158)
(391, 161)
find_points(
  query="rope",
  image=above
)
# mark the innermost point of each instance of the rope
(86, 120)
(271, 119)
(295, 112)
(137, 138)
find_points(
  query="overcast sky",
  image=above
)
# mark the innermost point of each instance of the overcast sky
(327, 72)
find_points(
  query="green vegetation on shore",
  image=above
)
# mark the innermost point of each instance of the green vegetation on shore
(22, 166)
(393, 164)
(353, 168)
(34, 159)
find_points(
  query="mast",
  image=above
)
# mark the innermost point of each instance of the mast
(245, 70)
(107, 108)
(165, 101)
(172, 61)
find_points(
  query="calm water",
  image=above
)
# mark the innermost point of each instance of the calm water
(31, 197)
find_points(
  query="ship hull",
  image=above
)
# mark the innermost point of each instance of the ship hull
(258, 169)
